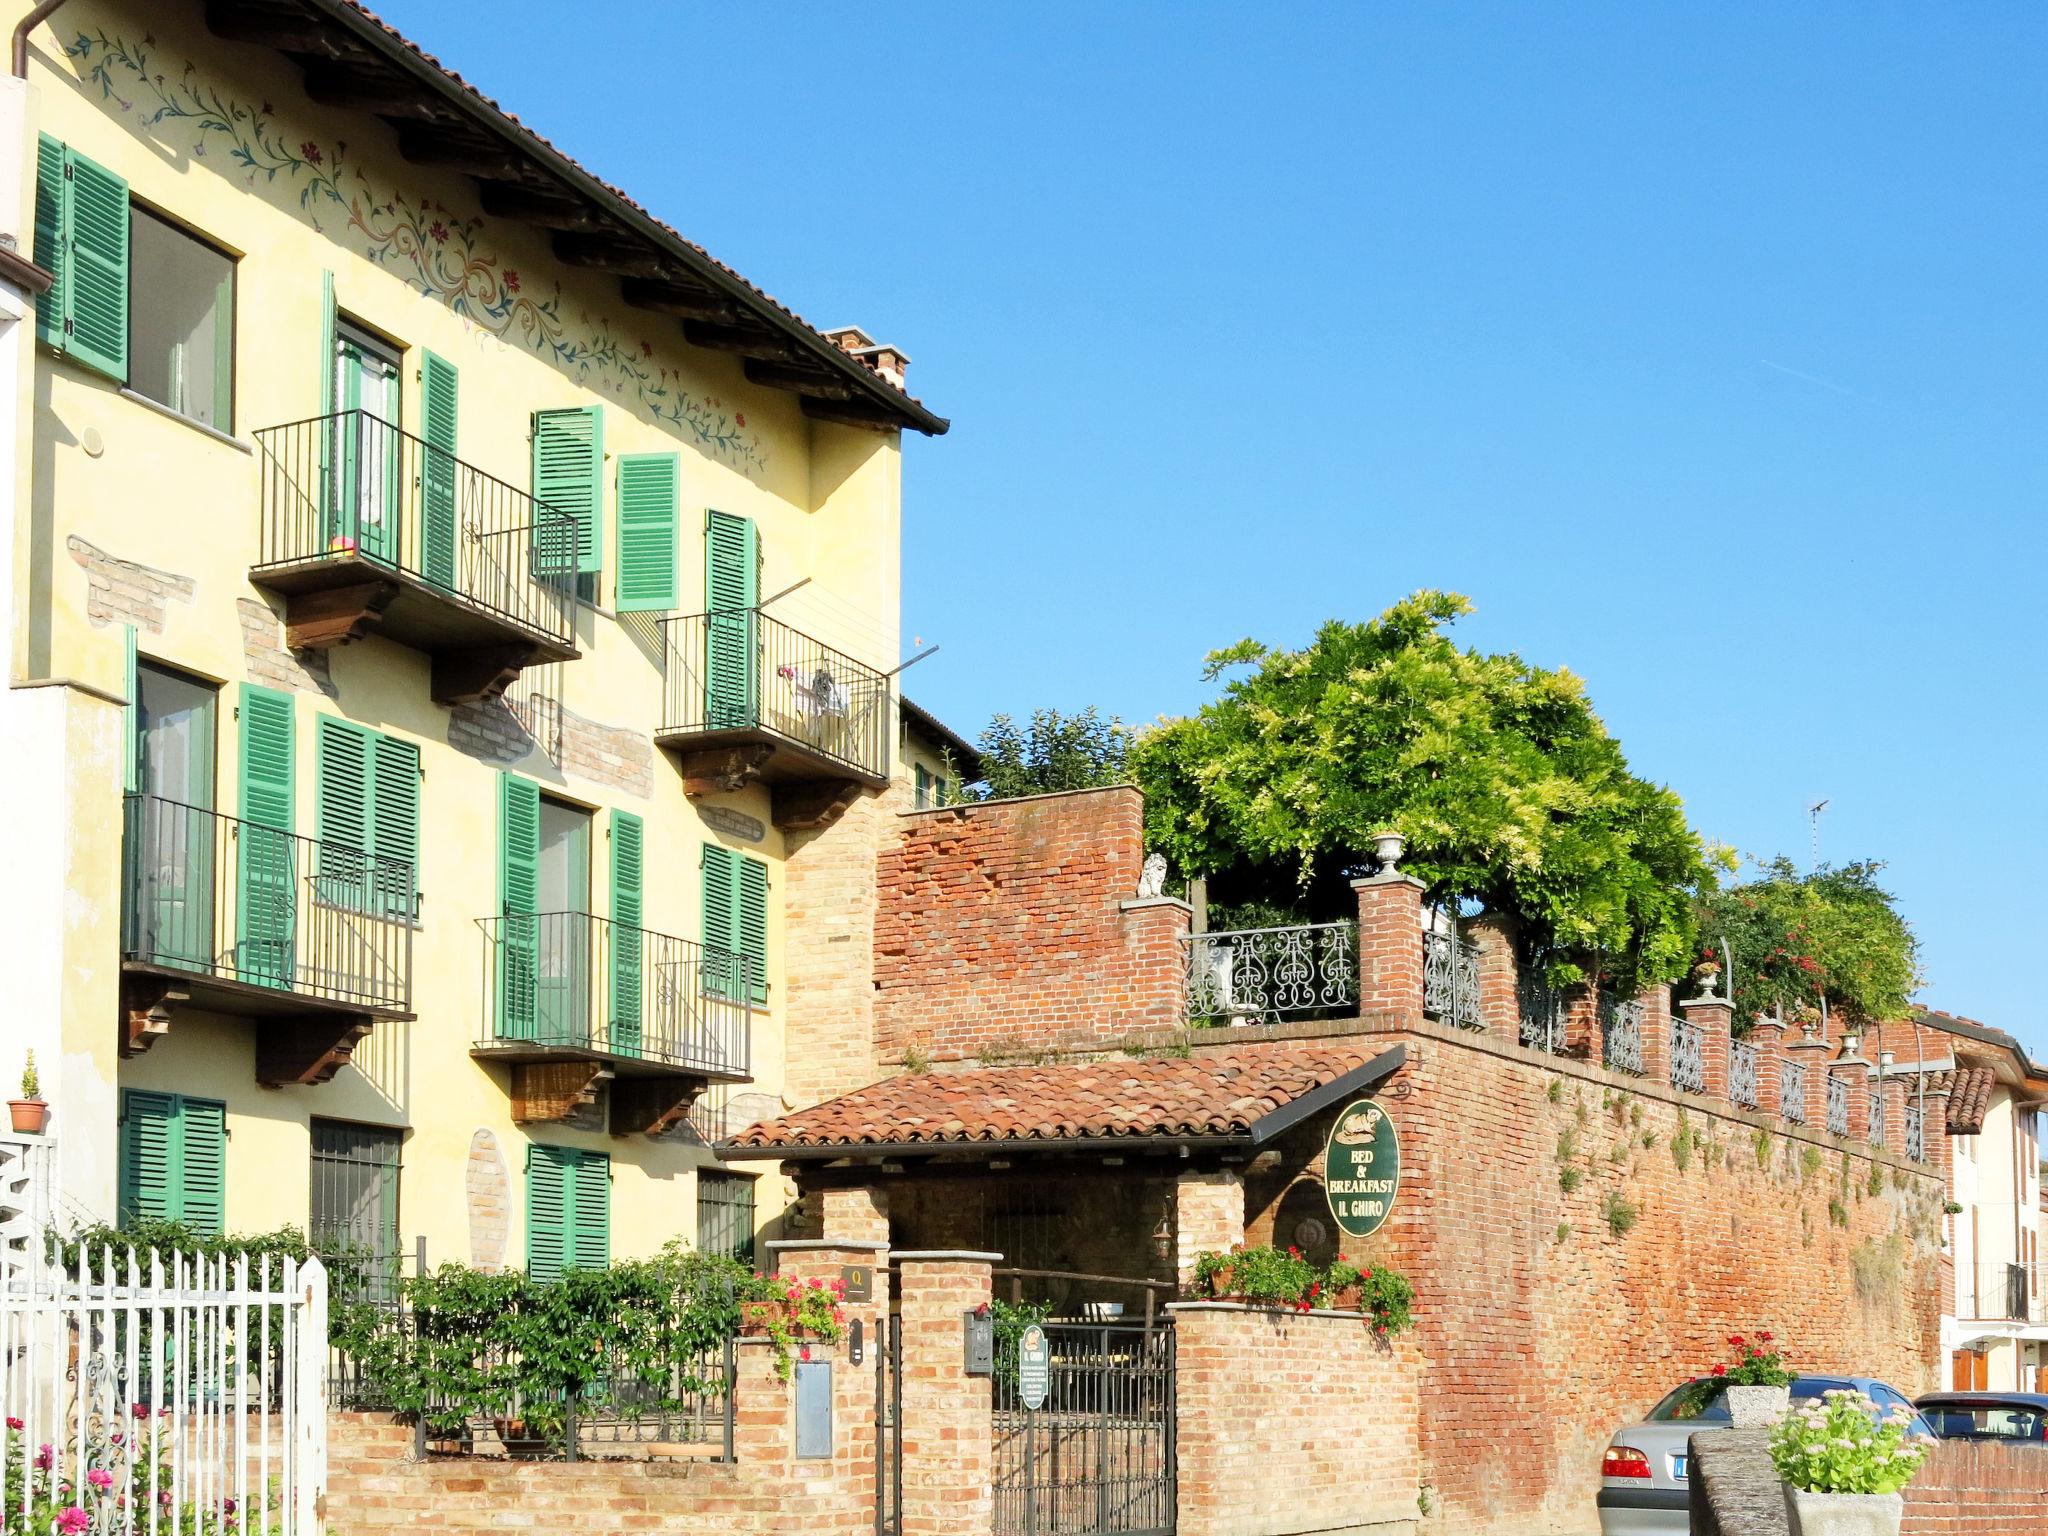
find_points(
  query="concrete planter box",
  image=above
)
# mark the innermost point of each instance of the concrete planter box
(1843, 1514)
(1757, 1407)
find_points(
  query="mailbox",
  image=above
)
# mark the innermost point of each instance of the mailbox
(813, 1409)
(855, 1349)
(980, 1330)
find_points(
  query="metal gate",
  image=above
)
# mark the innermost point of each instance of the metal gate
(1097, 1457)
(888, 1426)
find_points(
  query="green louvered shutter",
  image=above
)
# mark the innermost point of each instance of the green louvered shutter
(629, 839)
(650, 500)
(203, 1176)
(395, 824)
(341, 812)
(149, 1153)
(568, 474)
(720, 934)
(751, 923)
(732, 558)
(53, 200)
(437, 470)
(96, 249)
(519, 904)
(267, 857)
(547, 1211)
(590, 1212)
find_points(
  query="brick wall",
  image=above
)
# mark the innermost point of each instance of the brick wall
(1968, 1488)
(948, 1427)
(1010, 926)
(1292, 1424)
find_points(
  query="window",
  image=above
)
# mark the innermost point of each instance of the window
(568, 1211)
(173, 1160)
(354, 1206)
(181, 321)
(725, 1215)
(735, 924)
(367, 817)
(932, 791)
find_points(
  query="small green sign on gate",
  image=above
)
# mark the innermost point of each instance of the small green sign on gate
(1362, 1168)
(1034, 1367)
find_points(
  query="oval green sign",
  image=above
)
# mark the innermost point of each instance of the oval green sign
(1362, 1168)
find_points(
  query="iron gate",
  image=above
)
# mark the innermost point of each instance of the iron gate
(888, 1426)
(1097, 1457)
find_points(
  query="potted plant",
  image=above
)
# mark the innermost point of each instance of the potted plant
(30, 1112)
(1759, 1388)
(1843, 1465)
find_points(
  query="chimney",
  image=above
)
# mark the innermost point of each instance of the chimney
(892, 363)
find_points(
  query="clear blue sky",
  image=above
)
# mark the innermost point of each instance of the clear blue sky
(1701, 346)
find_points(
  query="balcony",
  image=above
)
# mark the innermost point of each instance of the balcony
(1264, 975)
(311, 939)
(365, 529)
(1450, 980)
(745, 698)
(573, 1002)
(2002, 1292)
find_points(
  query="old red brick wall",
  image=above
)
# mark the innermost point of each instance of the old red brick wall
(1291, 1424)
(1543, 1325)
(1010, 926)
(1971, 1488)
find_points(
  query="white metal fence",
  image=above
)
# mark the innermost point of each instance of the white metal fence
(150, 1393)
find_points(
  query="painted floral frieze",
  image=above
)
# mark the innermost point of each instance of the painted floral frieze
(436, 250)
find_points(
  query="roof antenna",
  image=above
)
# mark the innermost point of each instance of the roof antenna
(1813, 813)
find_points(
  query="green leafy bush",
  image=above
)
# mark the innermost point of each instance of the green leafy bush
(1841, 1444)
(1283, 1278)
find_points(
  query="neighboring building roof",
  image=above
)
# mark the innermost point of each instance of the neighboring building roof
(928, 724)
(1246, 1096)
(354, 59)
(1983, 1034)
(1969, 1096)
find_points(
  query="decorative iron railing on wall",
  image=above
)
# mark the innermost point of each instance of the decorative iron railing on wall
(1742, 1085)
(1875, 1127)
(1688, 1057)
(1621, 1034)
(1792, 1090)
(1257, 975)
(1916, 1134)
(575, 982)
(1450, 980)
(1838, 1105)
(241, 902)
(351, 486)
(1542, 1012)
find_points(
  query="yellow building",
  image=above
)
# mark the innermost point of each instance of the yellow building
(445, 603)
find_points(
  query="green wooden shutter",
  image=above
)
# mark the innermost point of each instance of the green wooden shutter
(547, 1211)
(720, 938)
(650, 501)
(568, 474)
(437, 470)
(518, 902)
(341, 811)
(267, 854)
(590, 1212)
(395, 824)
(203, 1178)
(131, 713)
(149, 1151)
(732, 559)
(96, 331)
(751, 922)
(628, 961)
(53, 202)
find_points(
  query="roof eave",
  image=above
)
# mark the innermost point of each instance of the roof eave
(1163, 1142)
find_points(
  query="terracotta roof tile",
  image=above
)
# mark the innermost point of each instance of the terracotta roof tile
(1969, 1096)
(1201, 1095)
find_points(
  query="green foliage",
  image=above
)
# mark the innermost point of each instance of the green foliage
(1621, 1213)
(1809, 1164)
(1875, 1185)
(915, 1059)
(1281, 1277)
(1010, 1319)
(117, 1472)
(1797, 939)
(1555, 1092)
(1838, 1213)
(31, 1085)
(1569, 1179)
(1757, 1362)
(1504, 781)
(1842, 1444)
(1878, 1268)
(1564, 1230)
(1056, 752)
(1763, 1149)
(1618, 1153)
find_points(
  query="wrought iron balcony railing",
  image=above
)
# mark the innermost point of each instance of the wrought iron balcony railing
(570, 984)
(2003, 1292)
(1688, 1057)
(1742, 1075)
(1450, 980)
(1916, 1133)
(1542, 1011)
(1792, 1090)
(1257, 975)
(1838, 1105)
(244, 904)
(1621, 1034)
(347, 496)
(738, 676)
(1875, 1127)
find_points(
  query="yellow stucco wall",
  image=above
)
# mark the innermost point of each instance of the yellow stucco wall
(143, 486)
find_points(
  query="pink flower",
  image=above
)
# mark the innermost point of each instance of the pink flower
(310, 152)
(511, 281)
(45, 1458)
(100, 1478)
(14, 1423)
(439, 231)
(73, 1520)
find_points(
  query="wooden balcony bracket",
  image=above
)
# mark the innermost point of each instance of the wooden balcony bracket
(813, 806)
(319, 621)
(478, 674)
(555, 1090)
(648, 1106)
(722, 770)
(147, 1003)
(307, 1050)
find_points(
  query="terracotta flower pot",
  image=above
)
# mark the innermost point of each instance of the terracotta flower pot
(756, 1317)
(1220, 1282)
(1348, 1298)
(1757, 1407)
(1843, 1514)
(29, 1116)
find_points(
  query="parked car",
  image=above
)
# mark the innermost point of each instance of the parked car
(2010, 1418)
(1643, 1473)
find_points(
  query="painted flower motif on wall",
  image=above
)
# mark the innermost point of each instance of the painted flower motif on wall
(436, 250)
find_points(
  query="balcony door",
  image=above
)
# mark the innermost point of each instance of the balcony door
(170, 832)
(562, 995)
(365, 506)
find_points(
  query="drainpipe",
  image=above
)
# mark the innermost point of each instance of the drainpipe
(29, 23)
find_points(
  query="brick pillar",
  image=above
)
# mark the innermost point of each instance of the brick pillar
(1582, 1021)
(1934, 1134)
(1656, 1001)
(948, 1441)
(1769, 1038)
(1390, 945)
(1155, 932)
(1855, 1071)
(1500, 1004)
(1895, 1090)
(1813, 1051)
(1712, 1017)
(859, 1214)
(1208, 1214)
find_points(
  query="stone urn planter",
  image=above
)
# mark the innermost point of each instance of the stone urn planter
(1843, 1514)
(1757, 1407)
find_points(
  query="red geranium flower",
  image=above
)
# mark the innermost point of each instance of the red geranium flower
(1720, 1370)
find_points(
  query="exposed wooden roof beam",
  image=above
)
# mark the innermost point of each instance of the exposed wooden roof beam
(617, 253)
(513, 200)
(851, 413)
(432, 146)
(746, 340)
(673, 298)
(370, 90)
(805, 380)
(292, 31)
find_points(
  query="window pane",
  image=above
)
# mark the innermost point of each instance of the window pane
(180, 320)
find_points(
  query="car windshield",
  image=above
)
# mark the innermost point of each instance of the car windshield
(1706, 1397)
(1986, 1422)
